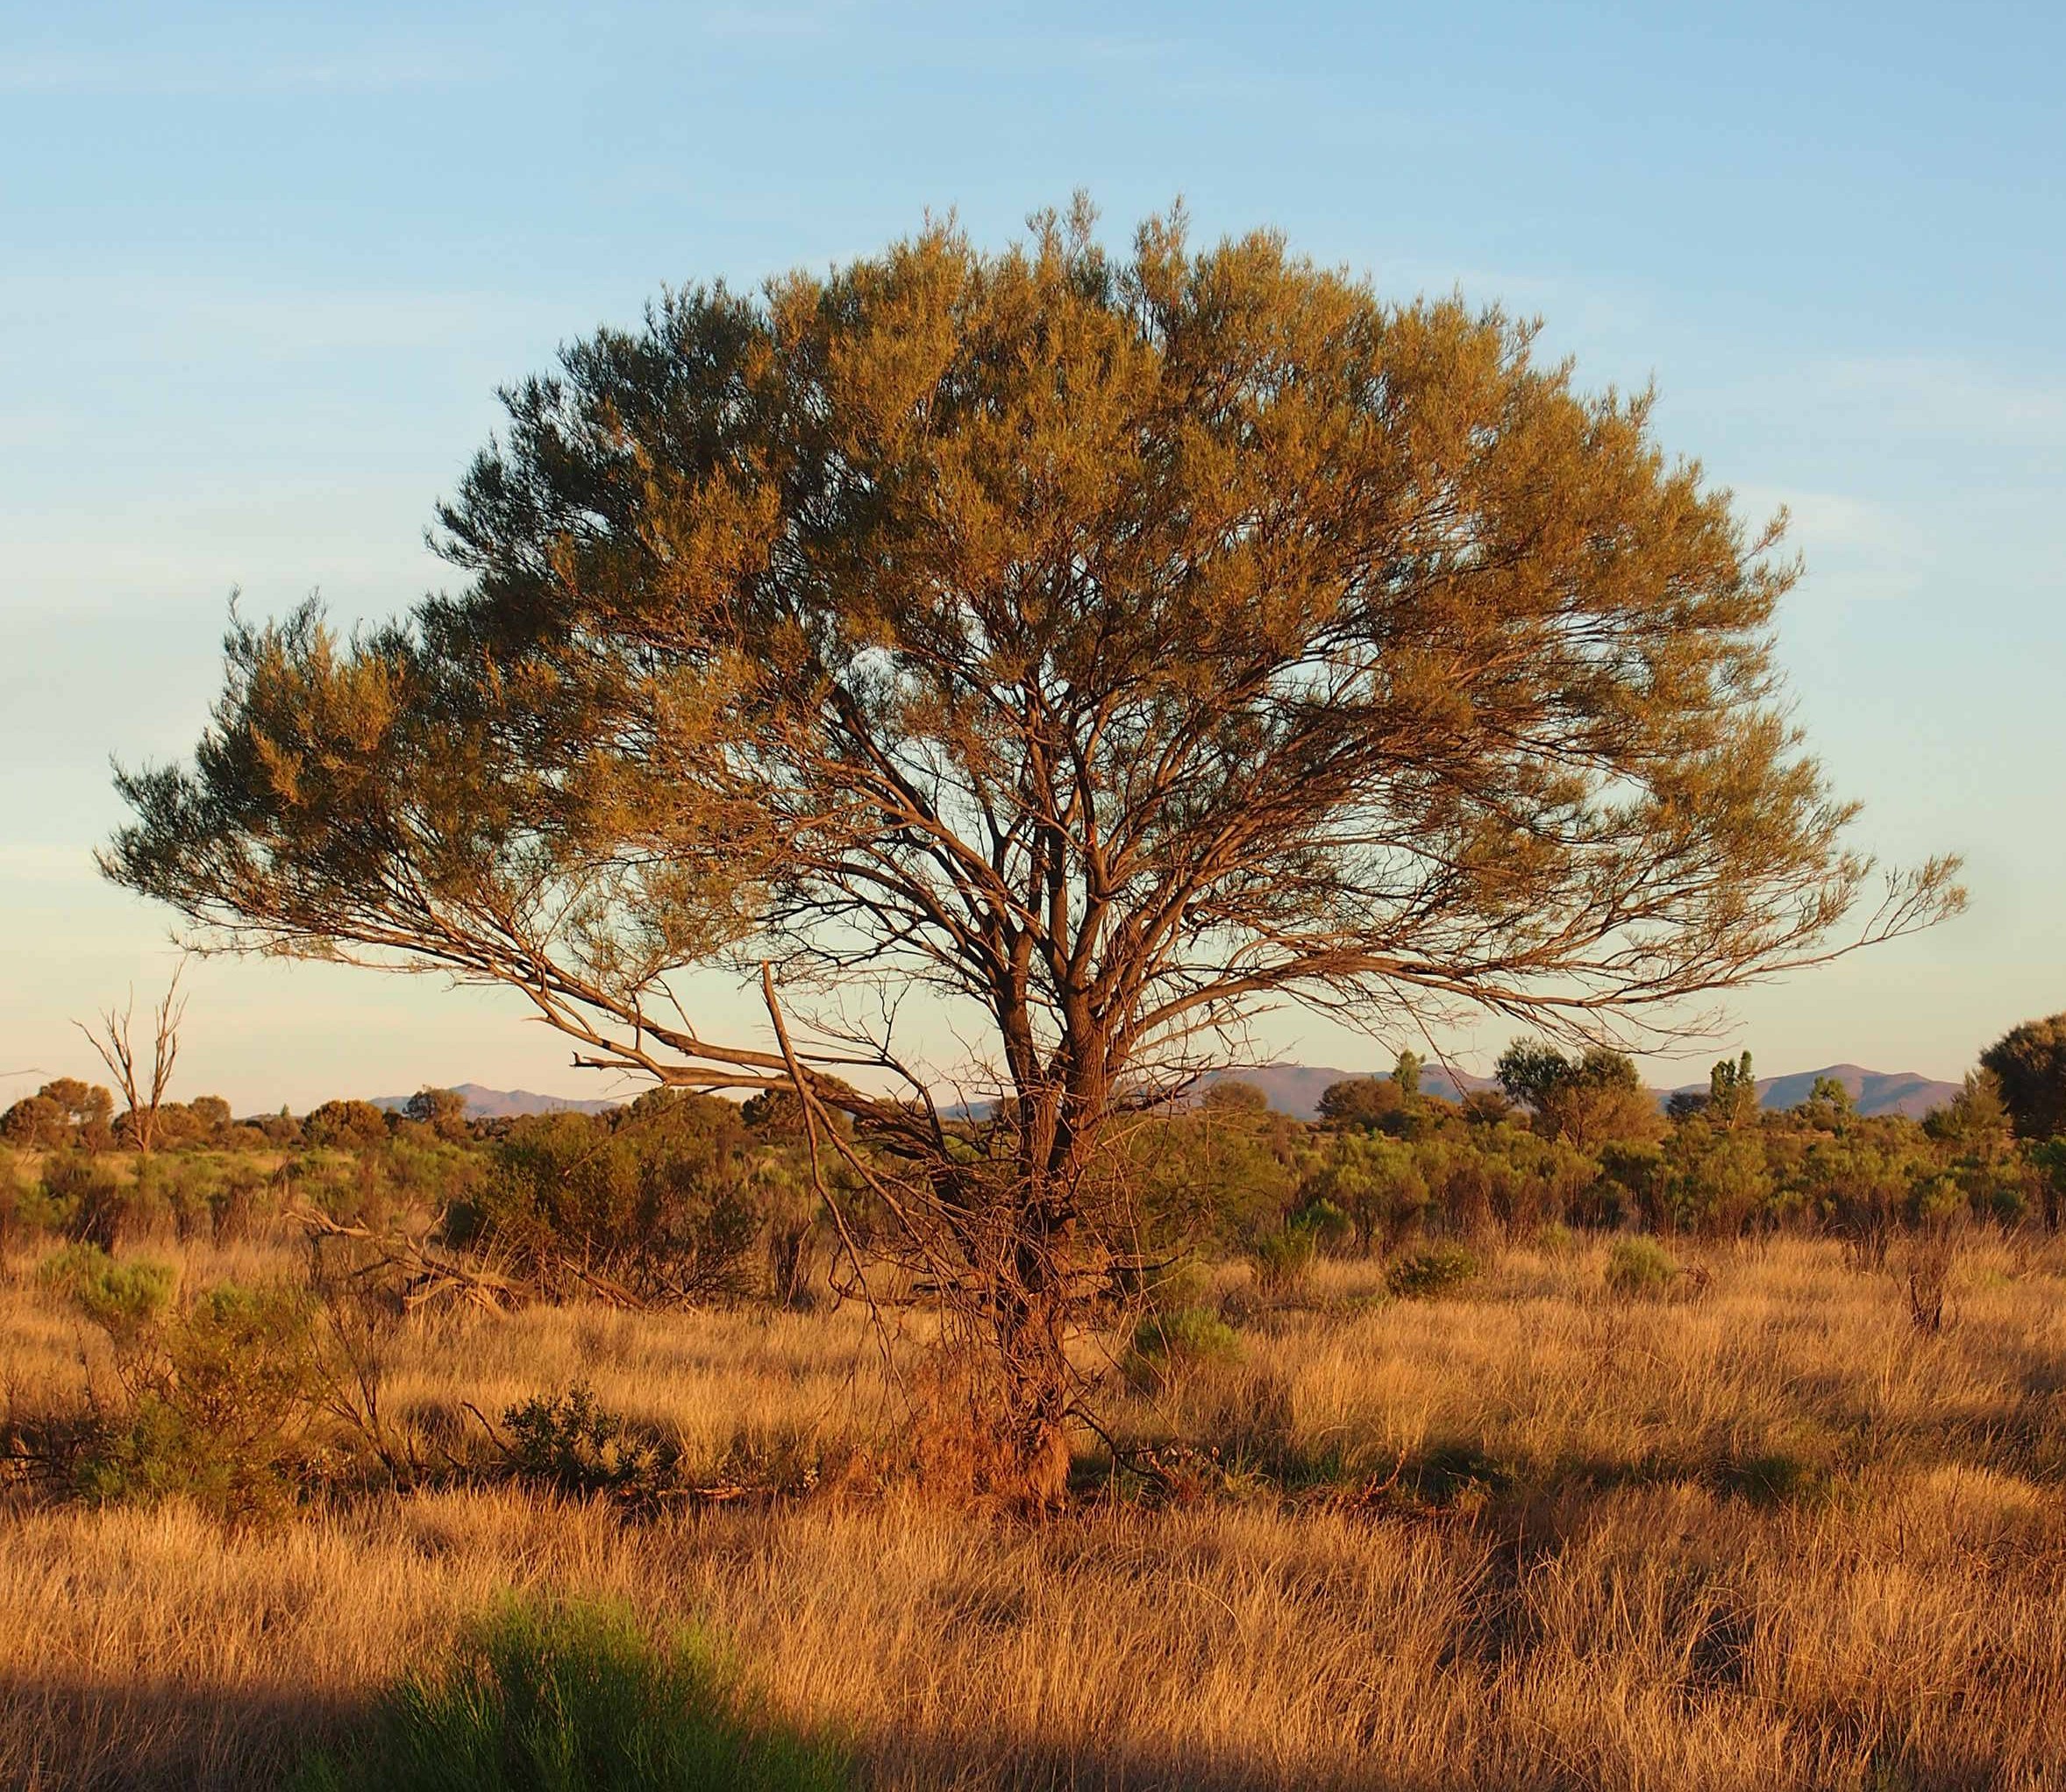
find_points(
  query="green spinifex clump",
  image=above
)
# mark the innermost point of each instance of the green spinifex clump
(1641, 1266)
(552, 1696)
(1430, 1274)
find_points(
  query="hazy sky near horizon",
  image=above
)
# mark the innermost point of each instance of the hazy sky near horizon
(262, 268)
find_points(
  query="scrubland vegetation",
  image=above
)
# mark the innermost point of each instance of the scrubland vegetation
(1439, 1450)
(1102, 648)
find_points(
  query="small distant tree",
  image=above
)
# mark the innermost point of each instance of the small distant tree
(1406, 1076)
(1585, 1099)
(443, 1110)
(1109, 645)
(36, 1123)
(211, 1114)
(1366, 1102)
(89, 1107)
(349, 1126)
(142, 1081)
(1829, 1108)
(1732, 1093)
(2029, 1063)
(1487, 1107)
(1234, 1096)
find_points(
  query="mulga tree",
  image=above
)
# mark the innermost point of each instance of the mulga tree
(1103, 644)
(2030, 1061)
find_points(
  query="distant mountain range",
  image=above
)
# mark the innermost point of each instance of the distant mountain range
(505, 1103)
(1296, 1088)
(1871, 1091)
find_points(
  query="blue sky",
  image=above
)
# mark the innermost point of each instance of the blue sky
(262, 268)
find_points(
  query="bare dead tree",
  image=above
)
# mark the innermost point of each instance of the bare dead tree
(141, 1080)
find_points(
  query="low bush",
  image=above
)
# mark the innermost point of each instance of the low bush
(235, 1204)
(13, 1198)
(1640, 1267)
(572, 1442)
(1331, 1228)
(1166, 1343)
(90, 1202)
(659, 1196)
(218, 1395)
(1431, 1274)
(26, 1207)
(1283, 1259)
(575, 1698)
(1185, 1285)
(124, 1300)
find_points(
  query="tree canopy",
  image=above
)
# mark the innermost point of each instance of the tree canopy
(1111, 643)
(2030, 1061)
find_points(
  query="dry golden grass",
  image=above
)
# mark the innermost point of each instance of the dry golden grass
(1768, 1538)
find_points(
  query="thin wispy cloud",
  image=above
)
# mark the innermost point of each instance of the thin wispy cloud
(1945, 394)
(1855, 551)
(1936, 400)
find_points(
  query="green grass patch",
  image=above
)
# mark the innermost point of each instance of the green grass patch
(1429, 1275)
(1640, 1267)
(562, 1697)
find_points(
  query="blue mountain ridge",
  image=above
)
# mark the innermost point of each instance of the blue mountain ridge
(1296, 1088)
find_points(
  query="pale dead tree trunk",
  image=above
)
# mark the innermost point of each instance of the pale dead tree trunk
(142, 1081)
(1103, 647)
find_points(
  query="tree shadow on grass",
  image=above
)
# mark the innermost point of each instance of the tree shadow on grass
(1012, 1761)
(67, 1734)
(98, 1736)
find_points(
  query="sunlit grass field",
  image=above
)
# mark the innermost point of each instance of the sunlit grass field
(1768, 1535)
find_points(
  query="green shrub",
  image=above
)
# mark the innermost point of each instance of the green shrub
(1185, 1284)
(218, 1396)
(1640, 1266)
(1282, 1259)
(25, 1206)
(93, 1204)
(575, 1698)
(659, 1196)
(1329, 1227)
(1166, 1343)
(123, 1299)
(1430, 1274)
(13, 1198)
(185, 1187)
(1775, 1478)
(235, 1202)
(574, 1443)
(222, 1398)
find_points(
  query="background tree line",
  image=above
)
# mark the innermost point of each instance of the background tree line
(679, 1198)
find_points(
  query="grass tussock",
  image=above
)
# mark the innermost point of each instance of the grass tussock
(1532, 1533)
(547, 1696)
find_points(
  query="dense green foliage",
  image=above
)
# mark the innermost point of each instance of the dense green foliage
(2030, 1061)
(1640, 1266)
(660, 1196)
(688, 1197)
(220, 1388)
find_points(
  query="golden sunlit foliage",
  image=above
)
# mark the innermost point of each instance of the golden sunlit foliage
(1107, 645)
